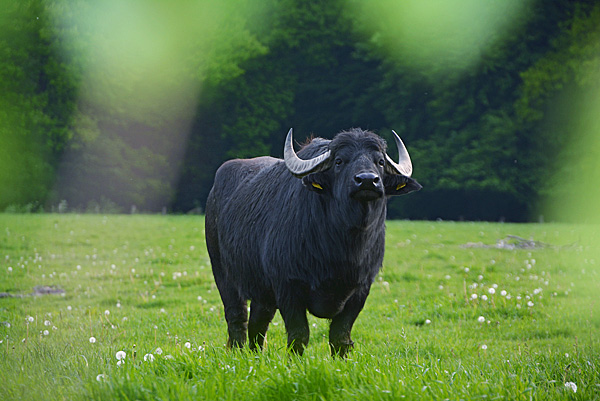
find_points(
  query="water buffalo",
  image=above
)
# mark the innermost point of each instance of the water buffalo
(303, 233)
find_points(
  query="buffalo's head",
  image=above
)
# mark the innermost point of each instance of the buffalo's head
(355, 162)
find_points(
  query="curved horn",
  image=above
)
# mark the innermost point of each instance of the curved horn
(299, 167)
(404, 165)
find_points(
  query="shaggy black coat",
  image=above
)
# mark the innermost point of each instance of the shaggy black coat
(293, 244)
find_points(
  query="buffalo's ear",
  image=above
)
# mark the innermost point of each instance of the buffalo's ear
(399, 184)
(315, 182)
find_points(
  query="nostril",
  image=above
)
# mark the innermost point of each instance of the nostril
(366, 179)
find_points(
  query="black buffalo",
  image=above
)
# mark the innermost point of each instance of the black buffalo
(303, 233)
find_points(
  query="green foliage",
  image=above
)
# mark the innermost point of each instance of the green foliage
(560, 104)
(139, 103)
(420, 335)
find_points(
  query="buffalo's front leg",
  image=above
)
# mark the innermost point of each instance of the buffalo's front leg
(260, 317)
(296, 326)
(340, 342)
(293, 311)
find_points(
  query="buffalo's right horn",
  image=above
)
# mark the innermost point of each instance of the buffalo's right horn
(299, 167)
(404, 165)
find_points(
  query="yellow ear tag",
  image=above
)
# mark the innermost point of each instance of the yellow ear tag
(400, 186)
(314, 184)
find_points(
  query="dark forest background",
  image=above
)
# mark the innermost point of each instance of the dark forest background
(137, 106)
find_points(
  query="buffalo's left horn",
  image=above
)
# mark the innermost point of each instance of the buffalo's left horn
(299, 167)
(404, 165)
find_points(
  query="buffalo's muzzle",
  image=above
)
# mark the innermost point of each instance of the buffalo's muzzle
(367, 187)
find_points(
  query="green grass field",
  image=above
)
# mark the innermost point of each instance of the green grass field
(446, 319)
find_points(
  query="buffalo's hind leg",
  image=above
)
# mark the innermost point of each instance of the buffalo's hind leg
(236, 309)
(236, 315)
(260, 317)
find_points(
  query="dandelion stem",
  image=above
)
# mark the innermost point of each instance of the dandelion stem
(417, 352)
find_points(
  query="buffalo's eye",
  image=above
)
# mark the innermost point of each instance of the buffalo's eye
(338, 161)
(381, 162)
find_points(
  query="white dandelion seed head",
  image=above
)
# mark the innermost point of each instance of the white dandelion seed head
(572, 386)
(92, 340)
(484, 347)
(148, 358)
(120, 355)
(30, 319)
(484, 297)
(158, 351)
(45, 332)
(473, 296)
(121, 362)
(481, 319)
(492, 291)
(427, 321)
(69, 308)
(118, 304)
(503, 293)
(466, 269)
(9, 269)
(107, 312)
(101, 377)
(47, 323)
(188, 345)
(530, 304)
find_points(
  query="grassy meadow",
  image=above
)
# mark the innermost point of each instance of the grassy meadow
(449, 317)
